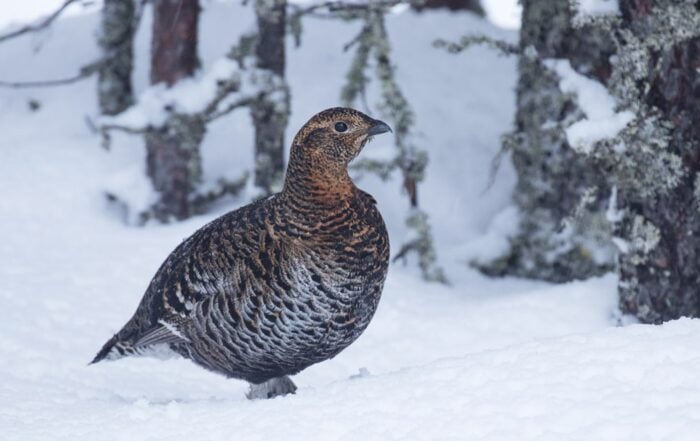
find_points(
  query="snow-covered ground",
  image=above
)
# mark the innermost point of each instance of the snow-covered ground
(480, 360)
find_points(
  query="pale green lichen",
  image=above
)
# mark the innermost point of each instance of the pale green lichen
(562, 197)
(372, 45)
(119, 21)
(644, 238)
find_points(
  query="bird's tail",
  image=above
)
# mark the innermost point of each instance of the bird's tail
(114, 348)
(155, 341)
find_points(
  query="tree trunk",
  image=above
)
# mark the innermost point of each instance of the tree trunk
(552, 177)
(173, 159)
(660, 272)
(116, 40)
(270, 112)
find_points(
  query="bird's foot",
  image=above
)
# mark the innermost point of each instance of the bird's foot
(271, 388)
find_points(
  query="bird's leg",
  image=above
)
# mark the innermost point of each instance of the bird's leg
(271, 388)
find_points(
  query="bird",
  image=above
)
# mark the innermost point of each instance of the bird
(273, 287)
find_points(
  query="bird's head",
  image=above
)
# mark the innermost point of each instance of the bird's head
(334, 137)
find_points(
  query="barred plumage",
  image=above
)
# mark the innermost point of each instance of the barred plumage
(278, 285)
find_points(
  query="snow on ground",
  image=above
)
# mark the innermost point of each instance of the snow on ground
(482, 359)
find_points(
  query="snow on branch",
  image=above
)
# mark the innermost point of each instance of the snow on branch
(590, 10)
(601, 121)
(218, 92)
(189, 96)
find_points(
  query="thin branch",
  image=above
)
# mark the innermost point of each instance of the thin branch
(340, 6)
(84, 72)
(241, 102)
(223, 187)
(38, 26)
(467, 41)
(405, 249)
(225, 88)
(210, 113)
(104, 128)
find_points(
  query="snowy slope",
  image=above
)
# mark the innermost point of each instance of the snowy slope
(482, 359)
(635, 383)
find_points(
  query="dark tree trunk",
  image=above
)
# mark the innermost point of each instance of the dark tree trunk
(660, 273)
(552, 177)
(271, 111)
(454, 5)
(173, 159)
(116, 40)
(174, 41)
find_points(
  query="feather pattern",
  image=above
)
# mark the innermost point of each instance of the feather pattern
(278, 285)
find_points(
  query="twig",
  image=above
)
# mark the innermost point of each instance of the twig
(467, 41)
(37, 26)
(340, 6)
(241, 102)
(126, 129)
(405, 249)
(105, 130)
(83, 73)
(225, 88)
(223, 187)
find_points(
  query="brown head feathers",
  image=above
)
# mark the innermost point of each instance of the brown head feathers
(325, 145)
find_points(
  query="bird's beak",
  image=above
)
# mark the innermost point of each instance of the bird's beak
(378, 127)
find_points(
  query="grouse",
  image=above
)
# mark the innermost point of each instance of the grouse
(273, 287)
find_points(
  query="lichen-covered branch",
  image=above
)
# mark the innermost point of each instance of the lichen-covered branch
(356, 79)
(467, 41)
(335, 9)
(372, 44)
(561, 196)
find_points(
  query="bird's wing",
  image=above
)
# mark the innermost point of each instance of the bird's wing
(213, 261)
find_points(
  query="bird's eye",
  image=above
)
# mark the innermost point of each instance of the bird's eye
(340, 127)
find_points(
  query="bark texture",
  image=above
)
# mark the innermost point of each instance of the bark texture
(118, 26)
(563, 234)
(173, 159)
(174, 40)
(270, 112)
(660, 270)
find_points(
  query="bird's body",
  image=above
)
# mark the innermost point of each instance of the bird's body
(278, 285)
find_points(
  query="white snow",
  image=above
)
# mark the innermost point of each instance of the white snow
(613, 214)
(601, 121)
(132, 189)
(592, 8)
(482, 359)
(191, 95)
(503, 13)
(20, 13)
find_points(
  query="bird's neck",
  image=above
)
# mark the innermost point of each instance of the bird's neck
(317, 183)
